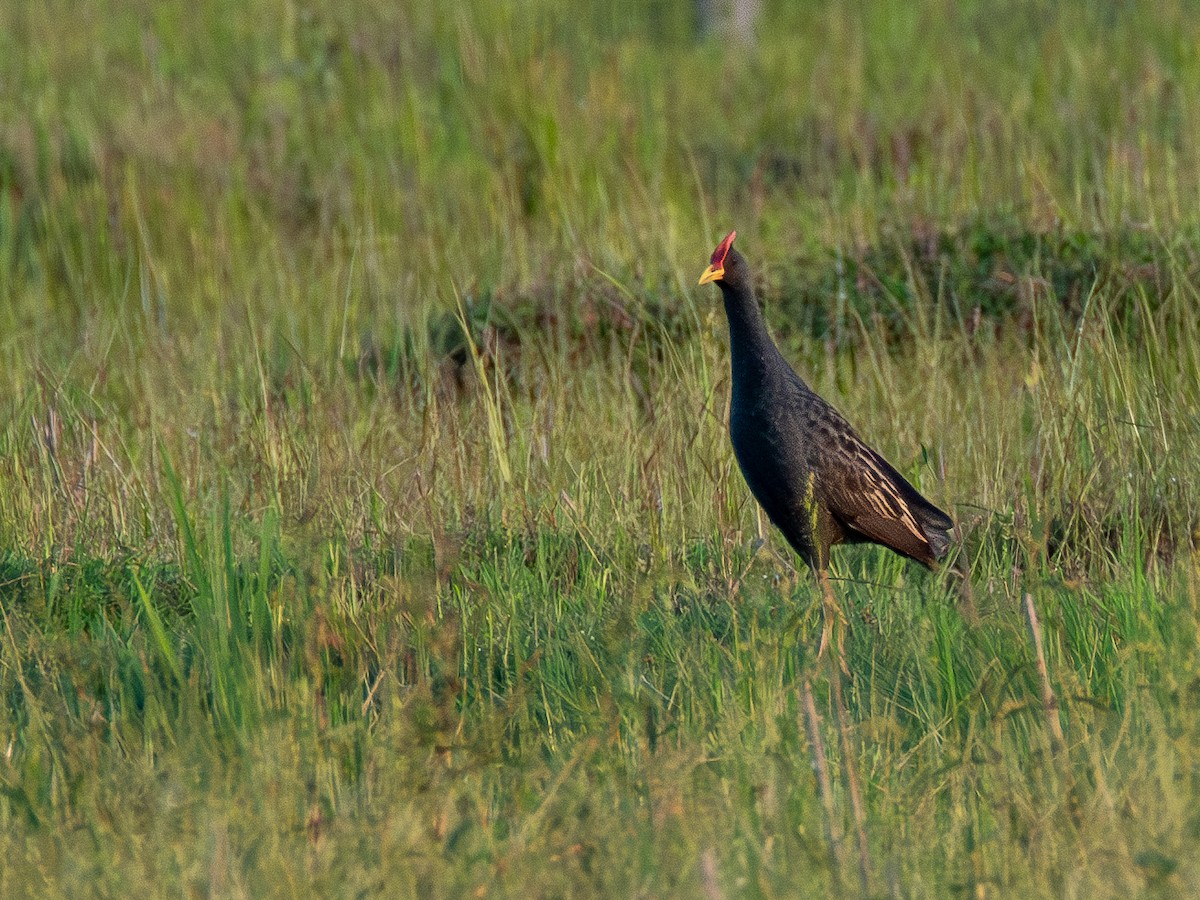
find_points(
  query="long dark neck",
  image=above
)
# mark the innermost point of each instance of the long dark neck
(751, 349)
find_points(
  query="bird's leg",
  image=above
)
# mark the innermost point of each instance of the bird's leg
(826, 630)
(831, 618)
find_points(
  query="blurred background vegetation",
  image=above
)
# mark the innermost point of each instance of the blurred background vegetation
(368, 523)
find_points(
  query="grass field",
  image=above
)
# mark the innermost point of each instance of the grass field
(368, 520)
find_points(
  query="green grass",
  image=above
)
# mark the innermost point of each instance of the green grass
(368, 520)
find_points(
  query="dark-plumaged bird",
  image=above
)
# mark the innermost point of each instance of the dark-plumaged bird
(818, 482)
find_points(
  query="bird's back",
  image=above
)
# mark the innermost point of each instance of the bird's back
(817, 480)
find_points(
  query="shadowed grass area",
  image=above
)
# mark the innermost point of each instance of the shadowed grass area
(368, 521)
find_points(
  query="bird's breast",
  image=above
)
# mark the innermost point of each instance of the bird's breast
(770, 446)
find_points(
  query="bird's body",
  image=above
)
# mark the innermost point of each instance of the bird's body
(818, 482)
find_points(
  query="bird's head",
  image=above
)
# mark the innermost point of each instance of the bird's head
(724, 263)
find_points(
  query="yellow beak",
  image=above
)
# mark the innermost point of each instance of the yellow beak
(712, 273)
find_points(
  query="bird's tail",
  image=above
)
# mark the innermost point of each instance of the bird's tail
(939, 541)
(937, 527)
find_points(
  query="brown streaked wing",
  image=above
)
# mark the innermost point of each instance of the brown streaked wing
(860, 489)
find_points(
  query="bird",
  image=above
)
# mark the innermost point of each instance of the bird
(819, 483)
